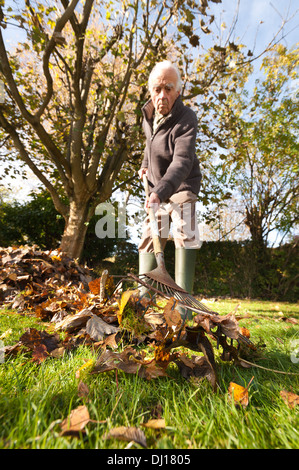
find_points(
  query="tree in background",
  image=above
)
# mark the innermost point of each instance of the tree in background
(36, 222)
(257, 165)
(259, 161)
(269, 151)
(74, 90)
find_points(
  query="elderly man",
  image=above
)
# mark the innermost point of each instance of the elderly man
(173, 172)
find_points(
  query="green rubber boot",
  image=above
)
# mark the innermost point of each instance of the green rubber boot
(147, 262)
(185, 261)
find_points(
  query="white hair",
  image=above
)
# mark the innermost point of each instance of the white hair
(165, 65)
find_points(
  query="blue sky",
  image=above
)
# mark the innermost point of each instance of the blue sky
(257, 23)
(259, 20)
(248, 26)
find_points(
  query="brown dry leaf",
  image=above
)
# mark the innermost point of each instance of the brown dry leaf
(40, 353)
(110, 342)
(129, 433)
(95, 286)
(152, 370)
(155, 424)
(32, 276)
(196, 369)
(162, 355)
(155, 319)
(228, 323)
(131, 362)
(292, 320)
(245, 332)
(31, 338)
(239, 394)
(58, 352)
(59, 316)
(13, 350)
(81, 301)
(47, 310)
(83, 390)
(34, 338)
(42, 313)
(75, 422)
(71, 322)
(13, 276)
(290, 398)
(108, 313)
(128, 361)
(186, 361)
(172, 316)
(97, 328)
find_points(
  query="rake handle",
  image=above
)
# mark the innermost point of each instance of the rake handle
(154, 225)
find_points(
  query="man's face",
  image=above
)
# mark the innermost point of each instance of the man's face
(164, 91)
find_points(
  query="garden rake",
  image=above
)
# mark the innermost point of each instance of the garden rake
(158, 280)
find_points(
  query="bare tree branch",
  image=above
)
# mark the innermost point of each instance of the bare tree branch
(61, 208)
(52, 43)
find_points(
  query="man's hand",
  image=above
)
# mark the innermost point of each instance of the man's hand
(153, 201)
(141, 172)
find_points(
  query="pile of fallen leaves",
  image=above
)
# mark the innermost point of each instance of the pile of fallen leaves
(29, 277)
(89, 310)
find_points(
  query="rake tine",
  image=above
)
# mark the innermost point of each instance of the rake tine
(184, 299)
(158, 288)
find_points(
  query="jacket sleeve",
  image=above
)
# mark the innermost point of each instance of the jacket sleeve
(182, 162)
(144, 163)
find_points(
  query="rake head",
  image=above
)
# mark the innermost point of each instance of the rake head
(160, 282)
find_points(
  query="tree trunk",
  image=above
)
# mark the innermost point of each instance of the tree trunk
(72, 241)
(254, 220)
(261, 258)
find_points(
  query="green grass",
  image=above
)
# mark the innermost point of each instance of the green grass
(34, 398)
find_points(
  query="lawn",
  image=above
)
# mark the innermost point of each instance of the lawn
(35, 398)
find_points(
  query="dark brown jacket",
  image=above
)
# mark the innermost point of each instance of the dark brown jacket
(170, 152)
